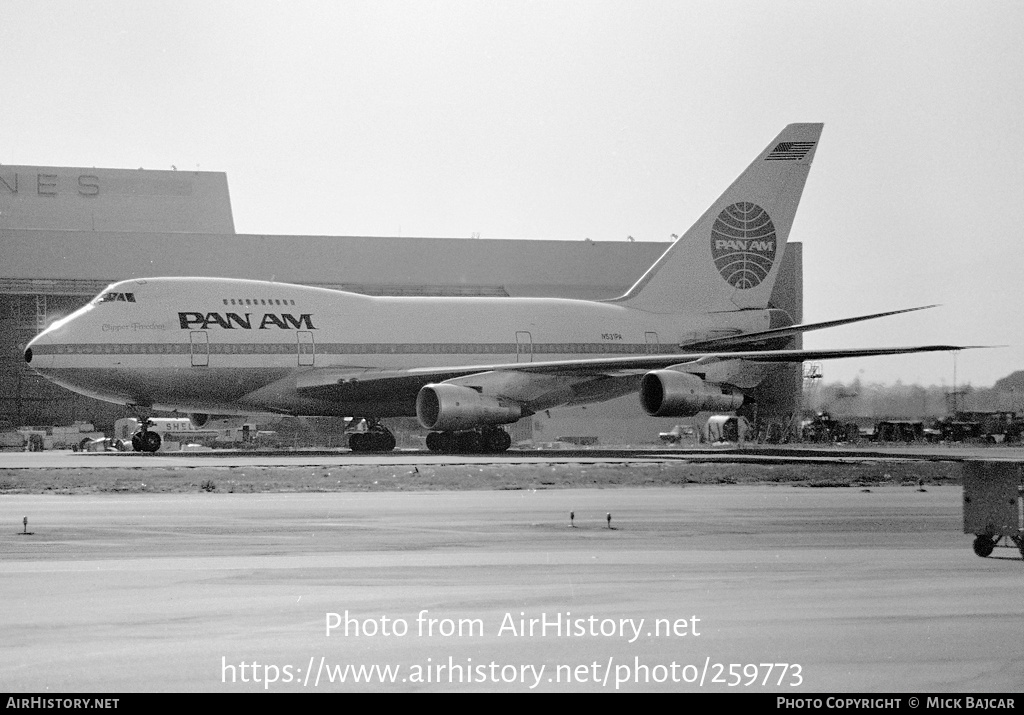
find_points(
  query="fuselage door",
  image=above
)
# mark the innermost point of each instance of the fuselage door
(524, 346)
(307, 348)
(653, 346)
(200, 348)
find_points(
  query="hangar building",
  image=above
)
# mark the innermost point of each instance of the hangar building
(66, 233)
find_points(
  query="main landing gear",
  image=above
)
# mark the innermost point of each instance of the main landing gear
(376, 438)
(144, 440)
(483, 440)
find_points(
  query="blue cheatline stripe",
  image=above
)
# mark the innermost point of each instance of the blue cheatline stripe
(346, 348)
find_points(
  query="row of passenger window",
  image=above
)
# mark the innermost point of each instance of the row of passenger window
(258, 301)
(130, 298)
(122, 348)
(349, 349)
(175, 349)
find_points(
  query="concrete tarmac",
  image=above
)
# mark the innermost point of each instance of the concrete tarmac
(756, 454)
(702, 588)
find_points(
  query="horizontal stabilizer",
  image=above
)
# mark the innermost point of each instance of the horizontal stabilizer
(761, 336)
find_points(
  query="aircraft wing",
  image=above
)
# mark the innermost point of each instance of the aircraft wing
(366, 384)
(359, 384)
(749, 340)
(655, 362)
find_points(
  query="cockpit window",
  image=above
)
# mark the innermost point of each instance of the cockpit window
(108, 297)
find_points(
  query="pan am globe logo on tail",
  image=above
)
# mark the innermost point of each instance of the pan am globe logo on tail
(743, 244)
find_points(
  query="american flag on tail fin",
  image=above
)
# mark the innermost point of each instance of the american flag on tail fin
(790, 151)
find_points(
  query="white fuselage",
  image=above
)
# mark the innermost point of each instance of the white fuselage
(230, 346)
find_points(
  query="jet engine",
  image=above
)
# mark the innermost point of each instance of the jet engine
(667, 393)
(454, 407)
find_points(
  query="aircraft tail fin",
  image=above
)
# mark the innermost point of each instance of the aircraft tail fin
(729, 259)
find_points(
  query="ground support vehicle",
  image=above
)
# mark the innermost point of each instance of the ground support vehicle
(994, 505)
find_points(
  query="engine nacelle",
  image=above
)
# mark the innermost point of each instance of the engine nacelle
(667, 393)
(453, 407)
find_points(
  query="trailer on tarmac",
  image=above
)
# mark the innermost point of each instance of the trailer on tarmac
(994, 505)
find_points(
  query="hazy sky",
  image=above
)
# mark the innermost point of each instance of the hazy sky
(568, 120)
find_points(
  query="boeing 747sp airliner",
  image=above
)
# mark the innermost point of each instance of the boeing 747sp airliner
(685, 336)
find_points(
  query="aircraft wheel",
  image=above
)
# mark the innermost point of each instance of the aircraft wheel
(983, 545)
(150, 441)
(469, 442)
(137, 442)
(504, 441)
(434, 441)
(380, 441)
(496, 439)
(383, 442)
(449, 442)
